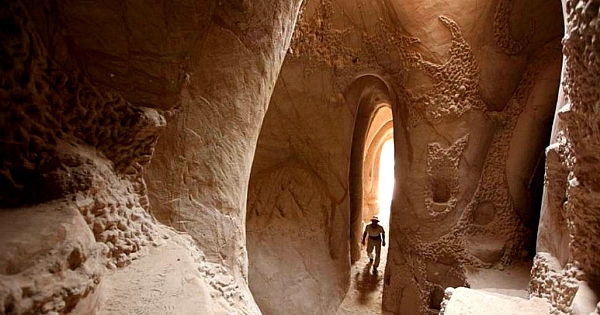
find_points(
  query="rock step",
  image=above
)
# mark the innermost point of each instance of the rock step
(465, 301)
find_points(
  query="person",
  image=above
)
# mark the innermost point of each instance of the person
(376, 235)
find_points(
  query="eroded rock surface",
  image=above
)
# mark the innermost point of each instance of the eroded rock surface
(568, 237)
(50, 260)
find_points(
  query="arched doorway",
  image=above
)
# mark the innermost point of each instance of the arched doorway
(373, 96)
(371, 187)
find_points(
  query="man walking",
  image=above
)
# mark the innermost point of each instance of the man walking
(376, 235)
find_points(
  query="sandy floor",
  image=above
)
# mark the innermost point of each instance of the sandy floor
(164, 282)
(173, 279)
(366, 289)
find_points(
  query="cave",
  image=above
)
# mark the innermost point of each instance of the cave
(223, 157)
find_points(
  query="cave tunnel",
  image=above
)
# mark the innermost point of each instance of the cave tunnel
(377, 182)
(221, 157)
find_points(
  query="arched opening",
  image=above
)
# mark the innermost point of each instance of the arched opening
(380, 135)
(300, 194)
(366, 286)
(373, 98)
(378, 170)
(371, 178)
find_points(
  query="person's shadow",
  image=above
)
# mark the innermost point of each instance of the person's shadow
(367, 283)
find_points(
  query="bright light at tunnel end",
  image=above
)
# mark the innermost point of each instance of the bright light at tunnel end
(386, 180)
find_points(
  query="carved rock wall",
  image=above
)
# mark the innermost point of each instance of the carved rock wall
(568, 231)
(473, 209)
(61, 136)
(86, 86)
(198, 179)
(298, 221)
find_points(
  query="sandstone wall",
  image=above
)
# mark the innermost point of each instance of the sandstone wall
(566, 265)
(475, 137)
(298, 197)
(87, 88)
(198, 179)
(63, 137)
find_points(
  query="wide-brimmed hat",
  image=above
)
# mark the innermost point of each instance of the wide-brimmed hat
(375, 218)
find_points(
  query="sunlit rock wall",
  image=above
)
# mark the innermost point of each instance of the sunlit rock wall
(566, 266)
(472, 86)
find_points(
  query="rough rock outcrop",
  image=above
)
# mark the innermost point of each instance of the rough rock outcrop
(568, 234)
(51, 261)
(64, 140)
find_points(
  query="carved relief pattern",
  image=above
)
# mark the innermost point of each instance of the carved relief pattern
(45, 105)
(316, 39)
(61, 137)
(502, 36)
(572, 165)
(558, 286)
(442, 169)
(492, 185)
(456, 81)
(581, 133)
(492, 188)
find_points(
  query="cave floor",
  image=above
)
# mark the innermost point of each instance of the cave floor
(366, 289)
(165, 282)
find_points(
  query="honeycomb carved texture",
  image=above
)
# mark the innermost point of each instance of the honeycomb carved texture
(317, 39)
(502, 36)
(557, 286)
(43, 106)
(455, 89)
(59, 137)
(581, 134)
(492, 185)
(319, 43)
(442, 170)
(492, 188)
